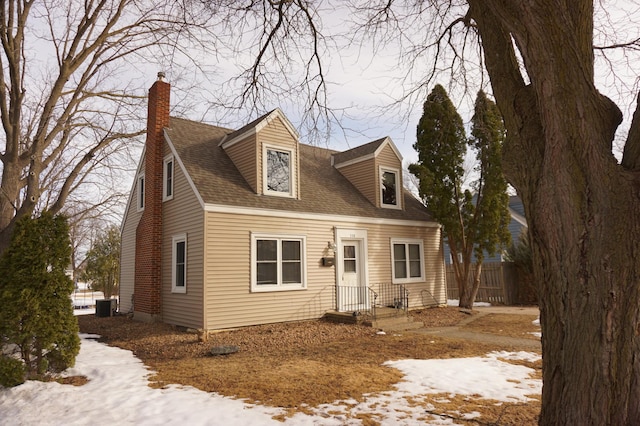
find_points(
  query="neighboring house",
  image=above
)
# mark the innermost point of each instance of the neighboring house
(228, 228)
(517, 225)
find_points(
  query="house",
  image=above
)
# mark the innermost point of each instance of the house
(517, 226)
(228, 228)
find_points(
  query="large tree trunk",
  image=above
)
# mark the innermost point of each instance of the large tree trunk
(582, 207)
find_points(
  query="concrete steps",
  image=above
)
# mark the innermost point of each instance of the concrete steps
(387, 319)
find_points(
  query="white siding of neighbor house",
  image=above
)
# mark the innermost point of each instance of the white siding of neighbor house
(183, 215)
(229, 302)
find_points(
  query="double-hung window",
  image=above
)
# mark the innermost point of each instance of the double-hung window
(389, 188)
(179, 264)
(168, 177)
(407, 260)
(278, 172)
(140, 193)
(278, 262)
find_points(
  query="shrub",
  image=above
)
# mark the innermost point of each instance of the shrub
(35, 295)
(12, 371)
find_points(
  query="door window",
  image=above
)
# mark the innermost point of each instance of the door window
(349, 257)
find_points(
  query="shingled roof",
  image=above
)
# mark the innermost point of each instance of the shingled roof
(323, 189)
(358, 152)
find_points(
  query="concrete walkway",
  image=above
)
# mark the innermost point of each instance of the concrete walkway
(512, 343)
(512, 310)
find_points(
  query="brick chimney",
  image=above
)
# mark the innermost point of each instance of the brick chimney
(147, 301)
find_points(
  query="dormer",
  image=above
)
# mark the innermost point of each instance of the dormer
(376, 170)
(266, 153)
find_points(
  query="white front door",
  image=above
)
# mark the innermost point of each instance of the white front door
(352, 291)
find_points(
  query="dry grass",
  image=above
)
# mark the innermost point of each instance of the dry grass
(300, 365)
(520, 326)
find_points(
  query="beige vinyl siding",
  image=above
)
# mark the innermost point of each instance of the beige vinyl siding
(430, 292)
(275, 134)
(228, 299)
(244, 155)
(183, 215)
(363, 175)
(128, 252)
(388, 159)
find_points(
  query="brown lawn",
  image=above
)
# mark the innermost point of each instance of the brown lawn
(305, 364)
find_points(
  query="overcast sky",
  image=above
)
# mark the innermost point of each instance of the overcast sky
(361, 83)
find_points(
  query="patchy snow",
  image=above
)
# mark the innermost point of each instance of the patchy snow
(488, 377)
(536, 322)
(118, 393)
(456, 302)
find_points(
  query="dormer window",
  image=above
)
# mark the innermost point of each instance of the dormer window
(389, 188)
(278, 172)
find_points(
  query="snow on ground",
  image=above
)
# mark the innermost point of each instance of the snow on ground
(456, 302)
(117, 393)
(536, 322)
(487, 377)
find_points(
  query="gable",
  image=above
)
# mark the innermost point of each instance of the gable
(365, 167)
(323, 189)
(274, 138)
(249, 148)
(387, 161)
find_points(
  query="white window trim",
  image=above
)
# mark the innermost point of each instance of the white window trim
(406, 242)
(140, 192)
(174, 242)
(168, 159)
(292, 171)
(398, 205)
(255, 288)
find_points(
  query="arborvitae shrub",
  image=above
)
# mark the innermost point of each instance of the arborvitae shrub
(36, 318)
(11, 371)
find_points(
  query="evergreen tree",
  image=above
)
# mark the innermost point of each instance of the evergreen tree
(471, 222)
(492, 201)
(102, 268)
(36, 314)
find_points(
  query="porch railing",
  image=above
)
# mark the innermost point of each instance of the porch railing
(374, 301)
(365, 300)
(393, 296)
(354, 299)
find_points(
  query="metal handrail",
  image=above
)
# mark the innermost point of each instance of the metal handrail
(395, 296)
(405, 299)
(375, 302)
(353, 299)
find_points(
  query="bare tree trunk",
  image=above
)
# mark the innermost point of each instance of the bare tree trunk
(9, 201)
(581, 206)
(587, 267)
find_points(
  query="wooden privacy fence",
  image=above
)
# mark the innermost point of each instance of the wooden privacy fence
(499, 284)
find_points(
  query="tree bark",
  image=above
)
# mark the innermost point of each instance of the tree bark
(462, 271)
(581, 206)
